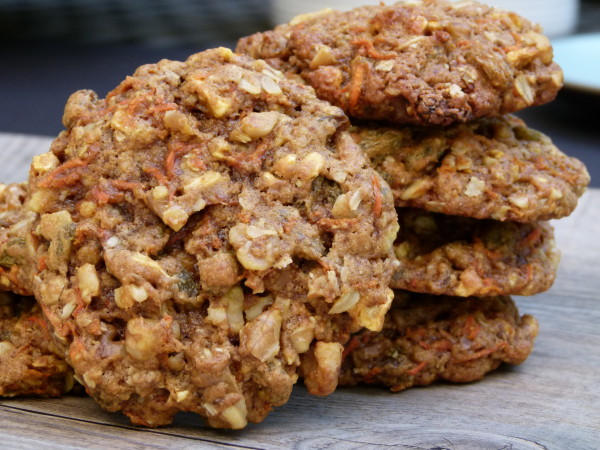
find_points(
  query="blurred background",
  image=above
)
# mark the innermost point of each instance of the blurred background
(50, 48)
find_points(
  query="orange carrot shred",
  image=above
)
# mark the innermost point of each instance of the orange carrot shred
(376, 197)
(424, 345)
(352, 345)
(370, 49)
(532, 237)
(370, 375)
(42, 263)
(175, 150)
(415, 370)
(123, 185)
(471, 328)
(39, 321)
(358, 74)
(156, 173)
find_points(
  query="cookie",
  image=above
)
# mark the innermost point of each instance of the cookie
(459, 256)
(199, 232)
(494, 168)
(29, 361)
(14, 220)
(427, 338)
(416, 62)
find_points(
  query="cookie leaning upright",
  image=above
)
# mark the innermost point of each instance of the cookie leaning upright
(430, 62)
(199, 232)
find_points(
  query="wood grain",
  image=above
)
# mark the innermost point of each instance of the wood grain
(550, 402)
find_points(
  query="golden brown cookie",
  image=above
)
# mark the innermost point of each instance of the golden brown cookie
(199, 232)
(30, 363)
(14, 220)
(493, 168)
(465, 257)
(420, 62)
(427, 338)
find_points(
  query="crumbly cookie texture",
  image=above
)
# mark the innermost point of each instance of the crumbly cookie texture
(418, 62)
(13, 222)
(460, 256)
(199, 232)
(493, 168)
(427, 338)
(30, 363)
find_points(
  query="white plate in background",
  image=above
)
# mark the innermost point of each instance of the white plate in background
(579, 57)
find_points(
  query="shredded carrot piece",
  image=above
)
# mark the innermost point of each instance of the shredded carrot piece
(39, 321)
(484, 352)
(80, 303)
(100, 196)
(251, 157)
(358, 75)
(175, 150)
(42, 263)
(443, 345)
(68, 173)
(376, 197)
(491, 194)
(326, 267)
(370, 375)
(352, 345)
(163, 108)
(156, 173)
(370, 49)
(490, 287)
(415, 370)
(62, 175)
(532, 237)
(123, 185)
(197, 162)
(529, 273)
(397, 388)
(480, 247)
(415, 333)
(424, 345)
(471, 328)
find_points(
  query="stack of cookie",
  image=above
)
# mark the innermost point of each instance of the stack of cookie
(212, 230)
(429, 87)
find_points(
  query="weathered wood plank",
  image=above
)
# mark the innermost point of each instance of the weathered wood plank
(16, 151)
(551, 401)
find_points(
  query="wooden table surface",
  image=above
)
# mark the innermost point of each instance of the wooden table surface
(551, 401)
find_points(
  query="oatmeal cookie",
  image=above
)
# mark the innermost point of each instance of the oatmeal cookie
(493, 168)
(465, 257)
(418, 62)
(427, 338)
(199, 232)
(29, 361)
(13, 223)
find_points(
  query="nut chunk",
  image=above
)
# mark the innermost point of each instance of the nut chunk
(184, 242)
(430, 62)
